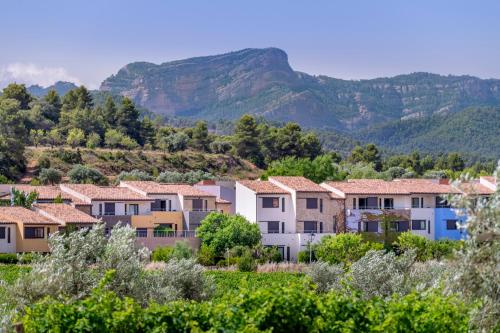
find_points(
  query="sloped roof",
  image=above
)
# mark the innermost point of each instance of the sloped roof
(262, 187)
(299, 184)
(14, 214)
(395, 187)
(64, 213)
(107, 193)
(150, 187)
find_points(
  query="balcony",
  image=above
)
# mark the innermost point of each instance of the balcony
(193, 218)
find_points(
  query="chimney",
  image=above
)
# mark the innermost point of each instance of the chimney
(444, 181)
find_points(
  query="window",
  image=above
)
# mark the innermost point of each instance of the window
(283, 227)
(371, 226)
(2, 232)
(33, 232)
(282, 204)
(335, 224)
(422, 202)
(451, 224)
(159, 205)
(273, 227)
(270, 202)
(197, 204)
(100, 209)
(109, 208)
(418, 224)
(441, 203)
(368, 203)
(400, 226)
(132, 209)
(321, 205)
(321, 227)
(389, 203)
(141, 232)
(310, 227)
(415, 203)
(353, 203)
(311, 203)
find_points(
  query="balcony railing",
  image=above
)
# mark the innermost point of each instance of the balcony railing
(141, 233)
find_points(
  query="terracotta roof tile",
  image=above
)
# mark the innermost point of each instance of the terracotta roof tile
(262, 187)
(396, 187)
(106, 193)
(150, 187)
(22, 215)
(44, 192)
(64, 213)
(299, 184)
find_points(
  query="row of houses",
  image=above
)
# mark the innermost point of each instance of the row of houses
(291, 212)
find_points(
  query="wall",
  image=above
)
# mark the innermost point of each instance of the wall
(156, 218)
(188, 202)
(246, 203)
(174, 199)
(305, 214)
(144, 207)
(424, 214)
(5, 246)
(225, 190)
(441, 215)
(276, 214)
(33, 245)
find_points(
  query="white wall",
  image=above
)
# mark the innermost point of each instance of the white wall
(277, 214)
(246, 203)
(174, 198)
(144, 207)
(6, 247)
(424, 214)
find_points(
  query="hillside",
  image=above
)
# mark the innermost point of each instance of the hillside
(113, 161)
(473, 130)
(261, 82)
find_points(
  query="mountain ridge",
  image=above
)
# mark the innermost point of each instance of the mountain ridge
(262, 82)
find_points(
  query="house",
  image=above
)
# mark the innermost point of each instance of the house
(291, 212)
(415, 205)
(23, 230)
(111, 204)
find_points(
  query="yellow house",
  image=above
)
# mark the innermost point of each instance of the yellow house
(32, 229)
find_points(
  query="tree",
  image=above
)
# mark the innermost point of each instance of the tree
(54, 137)
(36, 136)
(318, 170)
(221, 232)
(367, 154)
(53, 101)
(147, 131)
(78, 98)
(19, 93)
(110, 112)
(13, 137)
(246, 140)
(50, 176)
(311, 146)
(93, 140)
(81, 174)
(200, 136)
(344, 248)
(127, 119)
(22, 199)
(75, 137)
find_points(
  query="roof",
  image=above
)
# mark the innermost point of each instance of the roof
(262, 187)
(298, 184)
(47, 192)
(107, 193)
(222, 201)
(64, 213)
(490, 179)
(395, 187)
(475, 188)
(14, 214)
(150, 187)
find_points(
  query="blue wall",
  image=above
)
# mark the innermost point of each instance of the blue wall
(440, 217)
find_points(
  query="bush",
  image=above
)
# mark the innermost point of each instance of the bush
(409, 241)
(43, 162)
(444, 248)
(220, 147)
(81, 174)
(206, 255)
(344, 248)
(326, 277)
(93, 140)
(133, 175)
(305, 255)
(162, 253)
(247, 263)
(8, 258)
(50, 176)
(190, 177)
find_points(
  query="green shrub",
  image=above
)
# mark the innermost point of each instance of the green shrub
(162, 253)
(206, 256)
(8, 258)
(344, 248)
(305, 255)
(408, 241)
(444, 248)
(81, 174)
(247, 263)
(43, 162)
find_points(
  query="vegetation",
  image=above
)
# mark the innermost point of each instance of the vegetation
(181, 250)
(343, 248)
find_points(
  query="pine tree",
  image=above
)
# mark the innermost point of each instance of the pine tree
(200, 136)
(246, 139)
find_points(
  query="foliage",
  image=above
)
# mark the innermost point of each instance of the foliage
(426, 249)
(206, 255)
(81, 174)
(200, 138)
(220, 232)
(133, 175)
(8, 258)
(93, 140)
(305, 256)
(22, 199)
(318, 170)
(247, 263)
(478, 277)
(344, 248)
(50, 176)
(181, 250)
(75, 137)
(326, 277)
(190, 177)
(12, 138)
(368, 154)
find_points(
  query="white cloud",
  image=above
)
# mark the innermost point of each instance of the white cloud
(32, 74)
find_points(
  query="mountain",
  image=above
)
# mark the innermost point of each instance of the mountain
(61, 87)
(261, 82)
(474, 131)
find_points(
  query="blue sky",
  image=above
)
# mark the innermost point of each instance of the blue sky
(86, 41)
